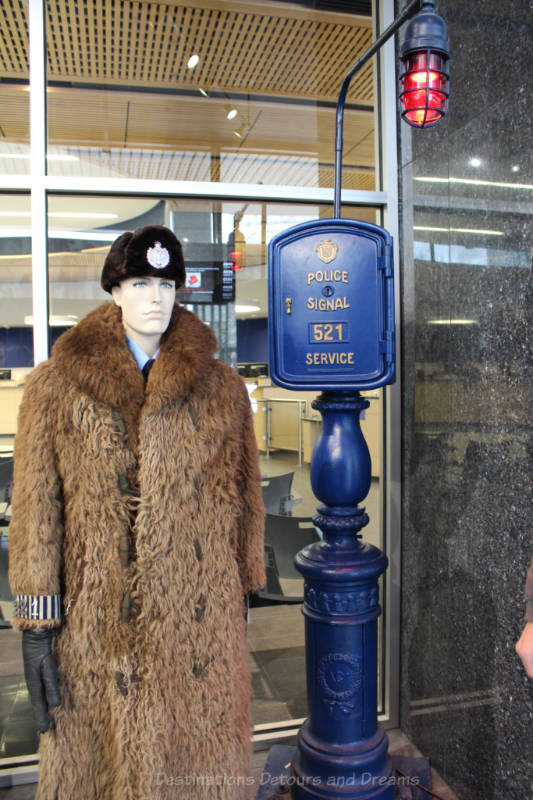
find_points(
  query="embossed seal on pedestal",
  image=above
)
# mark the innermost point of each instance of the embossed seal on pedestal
(340, 676)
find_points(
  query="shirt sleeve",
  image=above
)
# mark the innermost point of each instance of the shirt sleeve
(36, 528)
(529, 593)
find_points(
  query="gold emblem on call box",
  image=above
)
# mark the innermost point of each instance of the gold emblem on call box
(327, 251)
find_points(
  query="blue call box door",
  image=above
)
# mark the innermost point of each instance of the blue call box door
(331, 306)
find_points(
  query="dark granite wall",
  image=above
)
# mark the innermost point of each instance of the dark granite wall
(467, 371)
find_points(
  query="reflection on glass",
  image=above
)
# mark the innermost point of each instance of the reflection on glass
(16, 336)
(17, 728)
(14, 94)
(258, 106)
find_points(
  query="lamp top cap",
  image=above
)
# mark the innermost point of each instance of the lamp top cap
(426, 31)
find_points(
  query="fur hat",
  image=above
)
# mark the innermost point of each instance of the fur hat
(152, 250)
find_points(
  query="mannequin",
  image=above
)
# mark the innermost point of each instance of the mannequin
(137, 530)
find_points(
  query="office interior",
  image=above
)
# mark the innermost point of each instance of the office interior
(217, 119)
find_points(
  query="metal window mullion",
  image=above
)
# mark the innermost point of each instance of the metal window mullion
(38, 180)
(202, 189)
(392, 393)
(206, 189)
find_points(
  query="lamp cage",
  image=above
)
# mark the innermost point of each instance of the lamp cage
(424, 88)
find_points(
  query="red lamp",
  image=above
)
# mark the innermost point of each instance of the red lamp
(425, 78)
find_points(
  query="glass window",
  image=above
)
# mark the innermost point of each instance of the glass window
(125, 99)
(16, 361)
(232, 234)
(14, 94)
(207, 91)
(16, 335)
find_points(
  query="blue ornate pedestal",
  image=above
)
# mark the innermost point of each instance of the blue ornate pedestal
(342, 751)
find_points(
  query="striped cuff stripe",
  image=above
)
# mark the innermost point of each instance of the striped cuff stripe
(43, 606)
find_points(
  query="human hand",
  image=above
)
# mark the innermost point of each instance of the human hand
(40, 671)
(524, 648)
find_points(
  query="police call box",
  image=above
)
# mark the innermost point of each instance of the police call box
(331, 306)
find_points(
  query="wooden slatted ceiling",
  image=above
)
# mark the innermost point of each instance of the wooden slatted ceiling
(14, 39)
(257, 51)
(127, 119)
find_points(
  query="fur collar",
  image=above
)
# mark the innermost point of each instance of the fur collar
(95, 355)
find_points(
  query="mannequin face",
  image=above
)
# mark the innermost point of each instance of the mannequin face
(146, 305)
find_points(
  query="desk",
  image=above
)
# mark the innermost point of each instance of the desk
(10, 397)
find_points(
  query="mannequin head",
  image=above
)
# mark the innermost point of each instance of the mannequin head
(146, 304)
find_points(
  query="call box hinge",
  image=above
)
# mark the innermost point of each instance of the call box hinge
(386, 347)
(385, 261)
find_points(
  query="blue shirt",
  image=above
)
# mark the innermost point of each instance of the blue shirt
(138, 353)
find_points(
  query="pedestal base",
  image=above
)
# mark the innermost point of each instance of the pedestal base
(275, 783)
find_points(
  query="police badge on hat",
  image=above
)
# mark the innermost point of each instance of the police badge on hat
(157, 256)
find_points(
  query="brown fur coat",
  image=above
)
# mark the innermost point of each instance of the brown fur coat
(88, 433)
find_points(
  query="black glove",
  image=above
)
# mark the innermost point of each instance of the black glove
(40, 671)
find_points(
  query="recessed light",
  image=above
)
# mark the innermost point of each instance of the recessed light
(244, 309)
(472, 182)
(452, 322)
(193, 61)
(515, 168)
(231, 111)
(55, 320)
(80, 215)
(480, 231)
(61, 157)
(475, 161)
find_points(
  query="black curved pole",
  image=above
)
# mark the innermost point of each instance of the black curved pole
(409, 11)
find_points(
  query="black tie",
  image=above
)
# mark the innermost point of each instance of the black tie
(147, 367)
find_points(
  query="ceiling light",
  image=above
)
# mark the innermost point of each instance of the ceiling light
(193, 61)
(203, 91)
(515, 168)
(452, 322)
(472, 182)
(50, 156)
(239, 133)
(475, 161)
(231, 111)
(80, 215)
(481, 231)
(61, 157)
(55, 321)
(244, 309)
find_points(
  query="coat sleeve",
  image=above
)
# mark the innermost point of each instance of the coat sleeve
(529, 594)
(36, 527)
(251, 532)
